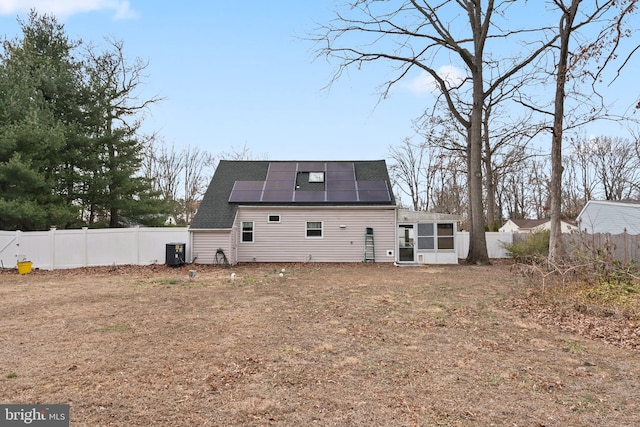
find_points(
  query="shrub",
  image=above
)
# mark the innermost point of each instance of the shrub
(533, 248)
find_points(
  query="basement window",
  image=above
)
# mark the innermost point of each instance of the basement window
(273, 218)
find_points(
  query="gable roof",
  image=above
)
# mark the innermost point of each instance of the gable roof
(218, 212)
(529, 223)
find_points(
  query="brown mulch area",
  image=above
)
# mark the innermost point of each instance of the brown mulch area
(326, 344)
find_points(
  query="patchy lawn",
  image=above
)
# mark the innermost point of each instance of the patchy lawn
(327, 344)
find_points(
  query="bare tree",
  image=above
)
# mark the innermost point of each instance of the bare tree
(181, 177)
(616, 166)
(417, 35)
(414, 165)
(242, 153)
(408, 172)
(575, 15)
(198, 170)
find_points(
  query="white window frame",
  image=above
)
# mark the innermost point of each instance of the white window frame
(274, 215)
(435, 237)
(307, 229)
(253, 231)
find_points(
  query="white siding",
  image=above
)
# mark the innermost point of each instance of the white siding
(207, 242)
(610, 217)
(342, 240)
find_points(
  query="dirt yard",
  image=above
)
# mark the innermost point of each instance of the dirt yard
(326, 344)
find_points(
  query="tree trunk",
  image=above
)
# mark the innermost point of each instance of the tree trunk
(477, 239)
(566, 24)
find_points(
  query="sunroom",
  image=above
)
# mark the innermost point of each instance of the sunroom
(426, 238)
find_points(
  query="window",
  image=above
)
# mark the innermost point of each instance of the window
(247, 231)
(314, 229)
(436, 236)
(445, 236)
(426, 237)
(316, 176)
(273, 218)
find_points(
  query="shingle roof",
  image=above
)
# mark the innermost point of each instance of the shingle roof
(529, 223)
(216, 212)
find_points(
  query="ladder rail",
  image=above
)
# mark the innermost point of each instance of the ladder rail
(369, 246)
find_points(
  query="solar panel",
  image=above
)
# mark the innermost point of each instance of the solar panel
(373, 191)
(246, 191)
(341, 182)
(304, 196)
(279, 185)
(341, 185)
(372, 185)
(311, 166)
(281, 176)
(281, 167)
(340, 176)
(277, 195)
(340, 166)
(342, 196)
(373, 196)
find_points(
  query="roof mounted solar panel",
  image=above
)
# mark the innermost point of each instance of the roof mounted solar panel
(304, 196)
(277, 196)
(373, 191)
(281, 167)
(342, 196)
(341, 166)
(246, 191)
(311, 166)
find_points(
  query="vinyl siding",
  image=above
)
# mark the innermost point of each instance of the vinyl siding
(286, 241)
(610, 217)
(207, 242)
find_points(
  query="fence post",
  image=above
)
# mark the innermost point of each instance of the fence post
(624, 239)
(137, 244)
(85, 253)
(18, 254)
(52, 248)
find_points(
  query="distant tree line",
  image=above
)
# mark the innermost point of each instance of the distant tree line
(429, 174)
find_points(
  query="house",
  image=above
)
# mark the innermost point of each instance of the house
(535, 225)
(606, 216)
(311, 211)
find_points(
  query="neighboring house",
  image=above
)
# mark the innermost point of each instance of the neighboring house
(534, 225)
(605, 216)
(312, 211)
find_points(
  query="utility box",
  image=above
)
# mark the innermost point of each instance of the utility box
(175, 254)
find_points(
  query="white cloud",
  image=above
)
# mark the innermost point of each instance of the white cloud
(64, 8)
(425, 84)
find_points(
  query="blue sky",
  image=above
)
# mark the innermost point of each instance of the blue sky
(238, 74)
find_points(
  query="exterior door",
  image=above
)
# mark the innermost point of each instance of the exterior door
(406, 244)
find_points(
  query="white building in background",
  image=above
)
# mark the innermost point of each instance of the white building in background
(534, 225)
(606, 216)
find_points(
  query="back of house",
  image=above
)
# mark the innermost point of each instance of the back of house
(296, 211)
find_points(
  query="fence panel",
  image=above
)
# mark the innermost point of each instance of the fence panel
(60, 249)
(495, 241)
(623, 247)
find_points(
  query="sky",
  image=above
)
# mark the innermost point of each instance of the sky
(243, 74)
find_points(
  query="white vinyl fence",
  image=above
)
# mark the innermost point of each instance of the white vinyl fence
(495, 242)
(59, 249)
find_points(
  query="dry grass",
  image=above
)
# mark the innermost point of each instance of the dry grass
(328, 344)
